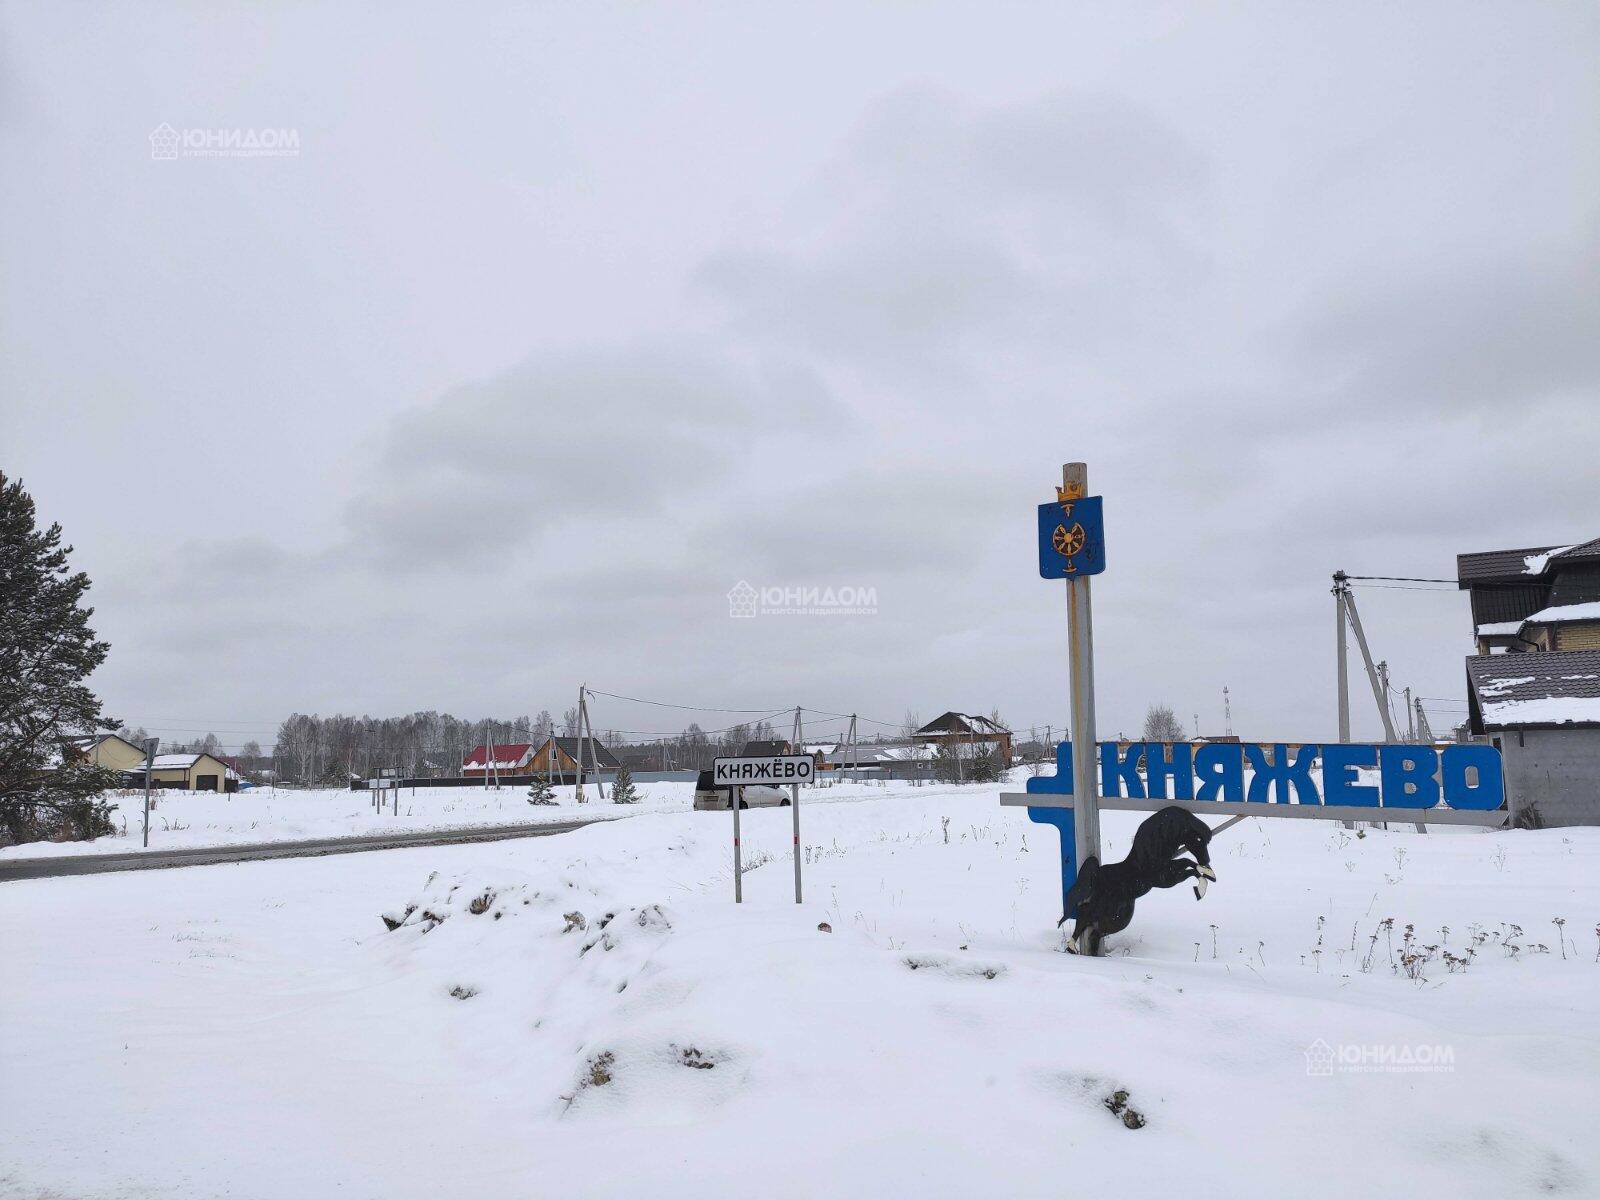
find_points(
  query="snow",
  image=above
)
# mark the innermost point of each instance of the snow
(1535, 710)
(1535, 564)
(1500, 629)
(175, 760)
(256, 1030)
(1546, 710)
(1493, 687)
(1587, 611)
(188, 819)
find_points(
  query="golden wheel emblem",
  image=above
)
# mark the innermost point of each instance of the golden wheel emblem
(1068, 541)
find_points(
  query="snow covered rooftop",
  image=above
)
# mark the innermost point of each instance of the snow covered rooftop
(1500, 629)
(1540, 689)
(1535, 564)
(1589, 611)
(507, 756)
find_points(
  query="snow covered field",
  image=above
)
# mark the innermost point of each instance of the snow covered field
(184, 819)
(592, 1016)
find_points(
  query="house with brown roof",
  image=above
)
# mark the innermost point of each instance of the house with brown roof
(967, 730)
(1538, 598)
(1542, 709)
(1533, 688)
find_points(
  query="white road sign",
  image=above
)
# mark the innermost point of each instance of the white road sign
(773, 769)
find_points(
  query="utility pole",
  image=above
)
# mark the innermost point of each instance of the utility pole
(1227, 713)
(1372, 670)
(579, 793)
(1340, 589)
(1390, 734)
(1411, 719)
(586, 722)
(1424, 731)
(150, 745)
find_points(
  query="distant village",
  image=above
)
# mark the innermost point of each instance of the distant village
(1532, 689)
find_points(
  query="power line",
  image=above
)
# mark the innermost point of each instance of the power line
(1401, 587)
(1402, 578)
(685, 707)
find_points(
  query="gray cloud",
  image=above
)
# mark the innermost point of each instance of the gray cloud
(438, 415)
(491, 467)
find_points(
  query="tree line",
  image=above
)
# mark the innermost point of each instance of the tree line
(312, 749)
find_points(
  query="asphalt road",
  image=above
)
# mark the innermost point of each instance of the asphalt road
(200, 856)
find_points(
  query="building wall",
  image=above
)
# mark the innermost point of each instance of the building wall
(1556, 771)
(118, 755)
(539, 763)
(186, 778)
(1584, 636)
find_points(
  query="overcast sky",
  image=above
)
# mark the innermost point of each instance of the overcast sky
(565, 319)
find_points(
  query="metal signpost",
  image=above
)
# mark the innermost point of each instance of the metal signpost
(387, 780)
(1072, 546)
(776, 770)
(149, 769)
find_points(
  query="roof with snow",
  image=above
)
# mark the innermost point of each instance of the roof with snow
(1521, 566)
(963, 723)
(1546, 689)
(508, 756)
(1560, 614)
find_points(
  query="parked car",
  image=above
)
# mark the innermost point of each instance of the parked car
(756, 795)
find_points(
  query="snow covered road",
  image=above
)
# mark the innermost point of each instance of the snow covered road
(49, 866)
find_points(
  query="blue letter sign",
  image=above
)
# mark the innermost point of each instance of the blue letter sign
(1072, 539)
(1410, 780)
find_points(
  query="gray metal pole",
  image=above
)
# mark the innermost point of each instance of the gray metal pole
(1080, 635)
(594, 751)
(736, 798)
(150, 745)
(1424, 730)
(1372, 670)
(1341, 620)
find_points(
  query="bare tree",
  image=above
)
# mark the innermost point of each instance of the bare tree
(569, 723)
(1161, 724)
(910, 723)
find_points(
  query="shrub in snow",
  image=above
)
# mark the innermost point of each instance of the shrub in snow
(623, 791)
(540, 792)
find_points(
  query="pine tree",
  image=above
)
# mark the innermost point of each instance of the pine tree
(985, 766)
(540, 791)
(47, 651)
(623, 791)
